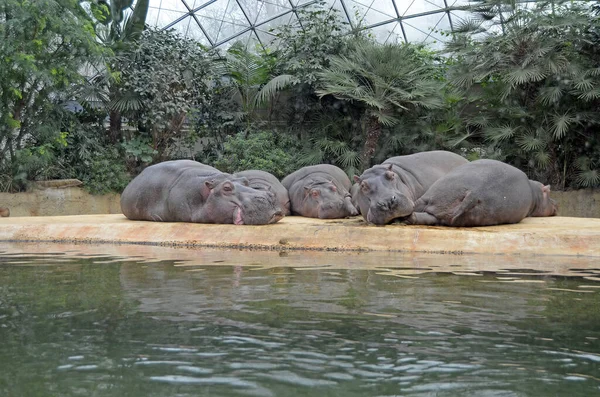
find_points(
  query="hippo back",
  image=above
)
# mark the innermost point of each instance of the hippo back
(188, 191)
(324, 170)
(421, 170)
(320, 191)
(262, 180)
(148, 196)
(388, 191)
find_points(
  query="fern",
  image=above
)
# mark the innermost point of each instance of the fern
(561, 124)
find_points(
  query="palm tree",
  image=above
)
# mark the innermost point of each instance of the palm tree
(536, 85)
(387, 80)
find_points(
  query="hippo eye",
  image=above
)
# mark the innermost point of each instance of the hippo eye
(364, 187)
(314, 193)
(389, 175)
(228, 187)
(333, 188)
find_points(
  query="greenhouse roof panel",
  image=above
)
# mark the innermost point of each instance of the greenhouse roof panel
(219, 22)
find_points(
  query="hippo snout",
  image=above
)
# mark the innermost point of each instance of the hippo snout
(277, 216)
(384, 211)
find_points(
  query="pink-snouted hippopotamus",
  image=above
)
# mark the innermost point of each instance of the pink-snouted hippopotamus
(320, 191)
(262, 180)
(389, 190)
(482, 193)
(189, 191)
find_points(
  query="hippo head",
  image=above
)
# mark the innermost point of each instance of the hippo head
(382, 196)
(543, 205)
(232, 201)
(323, 199)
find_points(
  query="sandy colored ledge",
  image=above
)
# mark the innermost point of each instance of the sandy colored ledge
(533, 236)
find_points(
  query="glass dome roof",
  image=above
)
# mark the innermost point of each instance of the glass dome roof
(216, 23)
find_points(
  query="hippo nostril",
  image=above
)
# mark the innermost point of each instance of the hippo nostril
(394, 200)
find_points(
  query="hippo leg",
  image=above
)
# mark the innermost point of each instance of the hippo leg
(466, 204)
(421, 218)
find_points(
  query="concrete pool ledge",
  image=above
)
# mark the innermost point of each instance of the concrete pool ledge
(533, 236)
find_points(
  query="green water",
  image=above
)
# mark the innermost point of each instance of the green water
(110, 327)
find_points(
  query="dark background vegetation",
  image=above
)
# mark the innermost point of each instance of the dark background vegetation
(88, 93)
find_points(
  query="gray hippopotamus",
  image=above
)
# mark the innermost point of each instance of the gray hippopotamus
(482, 193)
(4, 212)
(320, 191)
(189, 191)
(389, 190)
(263, 180)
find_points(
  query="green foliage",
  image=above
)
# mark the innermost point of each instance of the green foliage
(161, 81)
(387, 81)
(104, 172)
(44, 46)
(263, 150)
(536, 86)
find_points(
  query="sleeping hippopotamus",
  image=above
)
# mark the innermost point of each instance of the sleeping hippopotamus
(482, 193)
(388, 191)
(189, 191)
(320, 191)
(262, 180)
(4, 212)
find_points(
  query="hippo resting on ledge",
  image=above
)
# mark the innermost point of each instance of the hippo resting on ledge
(320, 191)
(482, 193)
(262, 180)
(388, 191)
(188, 191)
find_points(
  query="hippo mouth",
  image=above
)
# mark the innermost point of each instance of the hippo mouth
(237, 216)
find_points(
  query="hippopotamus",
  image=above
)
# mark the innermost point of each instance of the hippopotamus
(189, 191)
(482, 193)
(4, 212)
(263, 180)
(320, 191)
(389, 190)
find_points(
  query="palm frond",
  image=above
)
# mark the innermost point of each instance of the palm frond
(587, 176)
(590, 95)
(276, 84)
(561, 124)
(500, 133)
(550, 95)
(542, 158)
(523, 76)
(530, 142)
(126, 103)
(349, 159)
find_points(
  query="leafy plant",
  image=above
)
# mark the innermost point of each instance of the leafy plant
(263, 150)
(533, 85)
(387, 80)
(43, 48)
(162, 80)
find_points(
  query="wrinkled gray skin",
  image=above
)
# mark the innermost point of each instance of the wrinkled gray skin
(262, 180)
(388, 191)
(320, 191)
(482, 193)
(188, 191)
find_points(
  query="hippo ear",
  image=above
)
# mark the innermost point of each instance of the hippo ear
(357, 179)
(546, 189)
(390, 167)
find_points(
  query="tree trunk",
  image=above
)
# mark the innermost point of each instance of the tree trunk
(373, 134)
(114, 132)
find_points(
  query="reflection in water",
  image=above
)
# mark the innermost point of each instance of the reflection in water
(83, 323)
